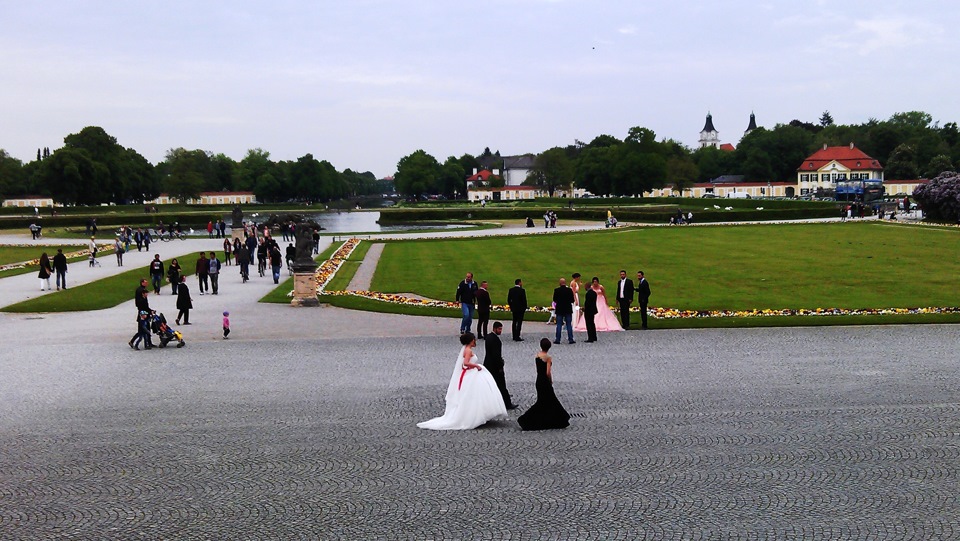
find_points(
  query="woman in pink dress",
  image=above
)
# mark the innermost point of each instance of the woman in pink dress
(605, 319)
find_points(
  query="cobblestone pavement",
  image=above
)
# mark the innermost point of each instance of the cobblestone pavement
(826, 433)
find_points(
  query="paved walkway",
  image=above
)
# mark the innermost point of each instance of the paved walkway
(364, 276)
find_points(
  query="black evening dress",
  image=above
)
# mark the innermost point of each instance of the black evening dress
(547, 413)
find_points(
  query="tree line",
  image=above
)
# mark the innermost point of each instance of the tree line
(909, 146)
(92, 168)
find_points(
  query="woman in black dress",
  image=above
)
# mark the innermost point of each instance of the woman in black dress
(173, 275)
(547, 413)
(184, 302)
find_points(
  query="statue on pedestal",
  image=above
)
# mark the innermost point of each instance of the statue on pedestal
(304, 260)
(237, 218)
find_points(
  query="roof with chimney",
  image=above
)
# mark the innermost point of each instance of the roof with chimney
(850, 157)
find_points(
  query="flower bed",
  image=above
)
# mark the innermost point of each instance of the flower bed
(35, 262)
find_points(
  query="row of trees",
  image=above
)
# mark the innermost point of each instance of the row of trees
(909, 146)
(92, 168)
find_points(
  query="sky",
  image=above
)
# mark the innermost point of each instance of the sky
(363, 83)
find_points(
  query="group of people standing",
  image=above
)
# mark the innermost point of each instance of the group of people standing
(592, 314)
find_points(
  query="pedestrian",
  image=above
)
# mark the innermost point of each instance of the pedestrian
(156, 273)
(119, 249)
(184, 302)
(624, 298)
(60, 266)
(46, 270)
(227, 250)
(466, 296)
(243, 260)
(484, 304)
(143, 332)
(276, 260)
(138, 238)
(643, 297)
(210, 229)
(203, 272)
(563, 300)
(143, 306)
(213, 269)
(93, 251)
(173, 275)
(226, 324)
(147, 238)
(316, 241)
(493, 361)
(517, 302)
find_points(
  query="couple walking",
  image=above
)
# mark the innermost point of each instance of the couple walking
(477, 393)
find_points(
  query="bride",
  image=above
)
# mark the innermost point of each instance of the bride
(473, 397)
(605, 319)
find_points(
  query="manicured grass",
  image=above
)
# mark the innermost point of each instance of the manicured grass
(843, 265)
(99, 295)
(17, 254)
(349, 267)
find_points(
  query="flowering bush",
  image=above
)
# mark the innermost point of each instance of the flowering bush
(940, 198)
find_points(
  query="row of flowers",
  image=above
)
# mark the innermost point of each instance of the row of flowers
(36, 262)
(329, 268)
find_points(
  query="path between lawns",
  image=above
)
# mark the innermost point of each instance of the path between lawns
(364, 276)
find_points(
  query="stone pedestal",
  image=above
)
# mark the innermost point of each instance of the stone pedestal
(237, 233)
(304, 289)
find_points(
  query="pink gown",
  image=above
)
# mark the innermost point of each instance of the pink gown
(605, 319)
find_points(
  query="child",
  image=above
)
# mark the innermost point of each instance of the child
(144, 334)
(226, 324)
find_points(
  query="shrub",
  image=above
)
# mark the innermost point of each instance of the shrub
(940, 198)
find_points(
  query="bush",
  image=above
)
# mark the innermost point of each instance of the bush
(940, 198)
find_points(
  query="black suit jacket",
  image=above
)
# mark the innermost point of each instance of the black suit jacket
(483, 301)
(590, 302)
(517, 299)
(643, 291)
(563, 297)
(627, 290)
(493, 352)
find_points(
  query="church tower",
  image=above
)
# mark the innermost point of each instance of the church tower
(709, 137)
(752, 126)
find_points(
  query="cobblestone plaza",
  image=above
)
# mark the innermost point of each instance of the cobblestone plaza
(819, 433)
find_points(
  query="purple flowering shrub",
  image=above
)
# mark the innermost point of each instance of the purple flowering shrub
(940, 198)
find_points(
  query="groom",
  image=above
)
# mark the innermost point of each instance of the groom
(590, 310)
(625, 298)
(493, 361)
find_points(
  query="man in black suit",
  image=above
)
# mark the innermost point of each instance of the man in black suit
(493, 361)
(466, 296)
(483, 310)
(517, 300)
(563, 301)
(590, 310)
(624, 298)
(643, 296)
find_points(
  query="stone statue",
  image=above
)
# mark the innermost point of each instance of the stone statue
(304, 261)
(237, 218)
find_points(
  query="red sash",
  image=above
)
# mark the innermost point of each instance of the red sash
(463, 372)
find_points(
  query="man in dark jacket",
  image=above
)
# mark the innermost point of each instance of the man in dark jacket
(563, 305)
(466, 296)
(143, 305)
(517, 300)
(484, 304)
(60, 265)
(493, 361)
(156, 273)
(643, 297)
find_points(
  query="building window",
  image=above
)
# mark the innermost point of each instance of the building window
(825, 177)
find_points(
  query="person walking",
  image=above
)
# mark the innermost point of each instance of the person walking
(226, 324)
(493, 361)
(118, 249)
(590, 309)
(466, 296)
(227, 250)
(93, 251)
(547, 412)
(624, 298)
(173, 276)
(60, 266)
(276, 261)
(156, 273)
(184, 302)
(243, 260)
(213, 270)
(643, 296)
(517, 301)
(563, 302)
(46, 270)
(484, 304)
(203, 271)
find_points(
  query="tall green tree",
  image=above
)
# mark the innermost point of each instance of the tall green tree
(71, 176)
(902, 164)
(417, 174)
(940, 163)
(11, 175)
(453, 178)
(183, 173)
(553, 169)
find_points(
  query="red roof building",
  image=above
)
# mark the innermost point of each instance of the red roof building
(829, 165)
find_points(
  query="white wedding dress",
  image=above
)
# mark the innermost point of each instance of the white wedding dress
(472, 399)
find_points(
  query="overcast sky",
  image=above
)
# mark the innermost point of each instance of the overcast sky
(363, 83)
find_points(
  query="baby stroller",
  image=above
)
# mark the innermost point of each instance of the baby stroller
(165, 332)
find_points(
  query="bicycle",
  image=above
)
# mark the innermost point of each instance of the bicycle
(170, 235)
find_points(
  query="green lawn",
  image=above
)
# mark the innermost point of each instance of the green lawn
(18, 254)
(101, 294)
(843, 265)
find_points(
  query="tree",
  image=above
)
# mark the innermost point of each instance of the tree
(417, 174)
(11, 175)
(902, 164)
(251, 168)
(826, 119)
(183, 178)
(681, 173)
(939, 164)
(552, 169)
(594, 169)
(453, 178)
(940, 198)
(71, 176)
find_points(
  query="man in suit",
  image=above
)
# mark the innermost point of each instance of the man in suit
(493, 361)
(517, 300)
(643, 296)
(624, 298)
(563, 301)
(590, 310)
(483, 310)
(466, 296)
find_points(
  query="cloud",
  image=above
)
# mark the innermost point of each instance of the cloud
(628, 29)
